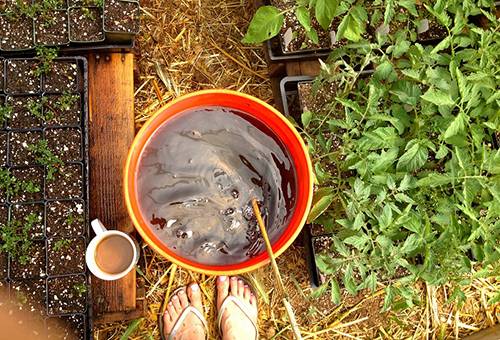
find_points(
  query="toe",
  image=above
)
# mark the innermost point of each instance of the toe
(172, 313)
(247, 293)
(194, 294)
(234, 286)
(183, 299)
(167, 320)
(241, 289)
(177, 304)
(253, 301)
(222, 289)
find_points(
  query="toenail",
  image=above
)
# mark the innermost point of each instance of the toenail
(181, 292)
(170, 304)
(233, 278)
(222, 278)
(246, 286)
(195, 287)
(175, 297)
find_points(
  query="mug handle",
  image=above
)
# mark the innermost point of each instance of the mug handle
(98, 227)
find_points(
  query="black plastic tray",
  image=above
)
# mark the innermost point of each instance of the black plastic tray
(82, 90)
(113, 40)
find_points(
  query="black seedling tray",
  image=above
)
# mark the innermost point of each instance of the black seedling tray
(111, 39)
(82, 317)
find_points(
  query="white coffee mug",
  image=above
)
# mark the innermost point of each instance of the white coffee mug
(101, 233)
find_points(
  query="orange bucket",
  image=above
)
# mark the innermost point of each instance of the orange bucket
(265, 113)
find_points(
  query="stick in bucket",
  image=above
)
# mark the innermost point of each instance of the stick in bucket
(274, 265)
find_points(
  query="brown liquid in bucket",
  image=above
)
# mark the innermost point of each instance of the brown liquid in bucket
(197, 176)
(114, 254)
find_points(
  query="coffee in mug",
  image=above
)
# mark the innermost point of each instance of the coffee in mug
(111, 254)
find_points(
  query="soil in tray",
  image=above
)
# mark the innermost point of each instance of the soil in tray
(67, 294)
(121, 16)
(85, 24)
(65, 109)
(22, 116)
(316, 100)
(62, 77)
(21, 211)
(65, 256)
(67, 183)
(21, 77)
(34, 176)
(3, 148)
(29, 295)
(65, 218)
(19, 147)
(70, 327)
(65, 143)
(34, 268)
(52, 30)
(16, 33)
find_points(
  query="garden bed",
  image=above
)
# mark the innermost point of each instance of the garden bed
(43, 191)
(72, 25)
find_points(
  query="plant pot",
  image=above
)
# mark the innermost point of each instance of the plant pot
(121, 20)
(91, 19)
(53, 31)
(259, 110)
(17, 34)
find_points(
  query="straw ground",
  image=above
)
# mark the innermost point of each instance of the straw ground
(187, 45)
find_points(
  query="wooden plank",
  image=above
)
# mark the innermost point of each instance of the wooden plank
(492, 333)
(111, 131)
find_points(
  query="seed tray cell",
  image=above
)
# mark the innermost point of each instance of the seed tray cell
(57, 207)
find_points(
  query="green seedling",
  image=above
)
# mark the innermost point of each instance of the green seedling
(15, 237)
(5, 113)
(80, 289)
(61, 244)
(11, 186)
(45, 156)
(46, 55)
(74, 218)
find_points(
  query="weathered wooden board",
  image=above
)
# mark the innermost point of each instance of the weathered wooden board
(111, 131)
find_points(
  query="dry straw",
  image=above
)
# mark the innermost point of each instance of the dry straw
(187, 45)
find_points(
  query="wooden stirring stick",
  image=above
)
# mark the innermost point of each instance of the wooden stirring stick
(274, 265)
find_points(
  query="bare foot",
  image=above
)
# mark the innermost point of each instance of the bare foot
(235, 324)
(192, 328)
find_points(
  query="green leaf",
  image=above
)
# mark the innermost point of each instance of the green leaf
(353, 24)
(445, 43)
(438, 97)
(321, 202)
(306, 118)
(413, 158)
(385, 219)
(304, 18)
(389, 298)
(411, 243)
(357, 241)
(131, 329)
(434, 180)
(389, 11)
(325, 11)
(348, 280)
(265, 24)
(457, 126)
(383, 161)
(383, 70)
(335, 291)
(382, 137)
(442, 152)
